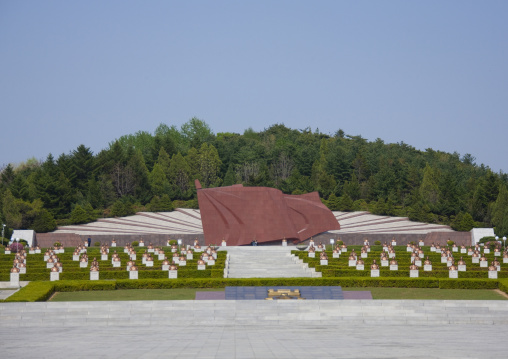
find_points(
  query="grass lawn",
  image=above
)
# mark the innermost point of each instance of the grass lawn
(432, 293)
(130, 294)
(190, 294)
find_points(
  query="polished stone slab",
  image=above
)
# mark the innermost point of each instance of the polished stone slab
(306, 292)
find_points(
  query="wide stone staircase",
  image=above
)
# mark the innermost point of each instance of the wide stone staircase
(334, 313)
(265, 262)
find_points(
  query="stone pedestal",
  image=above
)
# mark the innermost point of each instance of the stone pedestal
(463, 250)
(151, 250)
(462, 267)
(475, 260)
(470, 253)
(142, 244)
(384, 263)
(117, 264)
(385, 249)
(413, 273)
(312, 255)
(199, 250)
(54, 276)
(201, 267)
(160, 256)
(363, 255)
(324, 262)
(421, 244)
(497, 254)
(486, 250)
(45, 256)
(492, 274)
(484, 264)
(133, 257)
(75, 257)
(94, 275)
(104, 257)
(394, 243)
(374, 273)
(31, 251)
(449, 263)
(505, 260)
(37, 251)
(165, 267)
(184, 263)
(391, 255)
(113, 244)
(133, 274)
(409, 249)
(211, 262)
(149, 263)
(360, 267)
(335, 255)
(394, 267)
(352, 262)
(455, 249)
(83, 264)
(173, 274)
(432, 249)
(418, 263)
(49, 265)
(454, 274)
(343, 250)
(190, 256)
(444, 259)
(284, 244)
(427, 268)
(14, 283)
(22, 270)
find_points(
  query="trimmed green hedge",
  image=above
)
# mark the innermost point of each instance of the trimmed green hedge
(41, 291)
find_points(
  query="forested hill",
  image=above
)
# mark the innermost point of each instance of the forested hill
(155, 172)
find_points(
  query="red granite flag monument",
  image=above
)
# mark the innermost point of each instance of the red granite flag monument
(241, 214)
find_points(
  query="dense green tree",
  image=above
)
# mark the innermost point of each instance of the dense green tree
(230, 178)
(345, 203)
(179, 176)
(196, 132)
(500, 212)
(429, 189)
(82, 165)
(209, 165)
(44, 222)
(122, 208)
(79, 215)
(158, 204)
(158, 181)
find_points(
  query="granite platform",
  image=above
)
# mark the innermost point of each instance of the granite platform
(255, 329)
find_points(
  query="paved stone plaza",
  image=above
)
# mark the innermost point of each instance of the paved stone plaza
(255, 329)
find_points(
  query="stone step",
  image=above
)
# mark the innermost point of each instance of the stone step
(265, 262)
(246, 312)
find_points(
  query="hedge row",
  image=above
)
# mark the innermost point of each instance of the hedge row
(119, 274)
(41, 291)
(331, 272)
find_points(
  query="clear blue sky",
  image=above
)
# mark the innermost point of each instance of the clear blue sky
(433, 74)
